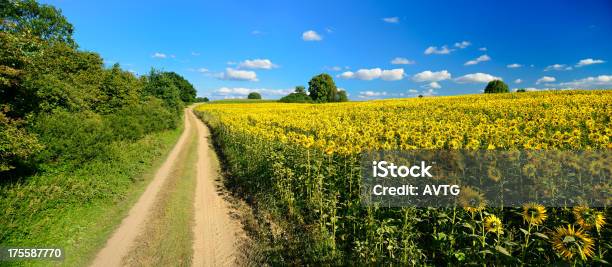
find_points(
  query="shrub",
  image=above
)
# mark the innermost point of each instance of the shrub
(254, 95)
(522, 90)
(496, 86)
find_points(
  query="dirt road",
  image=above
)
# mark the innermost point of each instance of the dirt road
(215, 233)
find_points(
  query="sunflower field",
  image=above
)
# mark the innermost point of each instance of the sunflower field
(298, 166)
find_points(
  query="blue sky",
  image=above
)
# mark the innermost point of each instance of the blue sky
(229, 48)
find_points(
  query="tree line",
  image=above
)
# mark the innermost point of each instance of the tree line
(61, 105)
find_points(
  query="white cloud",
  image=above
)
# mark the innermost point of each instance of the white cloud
(391, 20)
(257, 64)
(482, 49)
(557, 67)
(333, 68)
(392, 75)
(195, 54)
(402, 61)
(413, 91)
(239, 75)
(546, 79)
(434, 85)
(478, 77)
(159, 55)
(514, 66)
(482, 58)
(368, 74)
(202, 70)
(518, 81)
(346, 75)
(601, 80)
(257, 32)
(462, 44)
(431, 76)
(237, 92)
(311, 36)
(375, 73)
(369, 94)
(435, 50)
(589, 61)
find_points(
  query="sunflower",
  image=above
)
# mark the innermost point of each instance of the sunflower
(493, 224)
(568, 242)
(494, 174)
(587, 217)
(534, 213)
(472, 200)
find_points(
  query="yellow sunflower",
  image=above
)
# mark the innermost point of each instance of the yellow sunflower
(534, 213)
(472, 200)
(568, 242)
(493, 224)
(587, 217)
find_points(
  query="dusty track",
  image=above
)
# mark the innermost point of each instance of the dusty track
(215, 233)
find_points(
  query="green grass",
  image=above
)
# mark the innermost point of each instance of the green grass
(167, 238)
(78, 209)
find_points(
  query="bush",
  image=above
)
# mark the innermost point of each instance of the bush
(72, 137)
(522, 90)
(296, 98)
(496, 86)
(254, 95)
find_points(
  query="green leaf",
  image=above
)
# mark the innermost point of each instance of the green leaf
(569, 239)
(524, 231)
(541, 235)
(503, 251)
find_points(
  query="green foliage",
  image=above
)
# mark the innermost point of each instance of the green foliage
(254, 95)
(201, 99)
(16, 144)
(322, 88)
(299, 96)
(163, 86)
(43, 21)
(342, 96)
(186, 89)
(496, 86)
(522, 90)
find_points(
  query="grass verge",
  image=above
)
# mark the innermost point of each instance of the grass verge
(79, 209)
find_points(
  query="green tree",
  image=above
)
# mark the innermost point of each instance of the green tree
(299, 96)
(496, 86)
(163, 87)
(522, 90)
(322, 88)
(29, 17)
(16, 144)
(187, 91)
(254, 95)
(342, 96)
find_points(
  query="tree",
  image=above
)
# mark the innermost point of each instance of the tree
(299, 96)
(29, 17)
(496, 86)
(187, 91)
(163, 87)
(254, 95)
(522, 90)
(341, 96)
(322, 88)
(201, 99)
